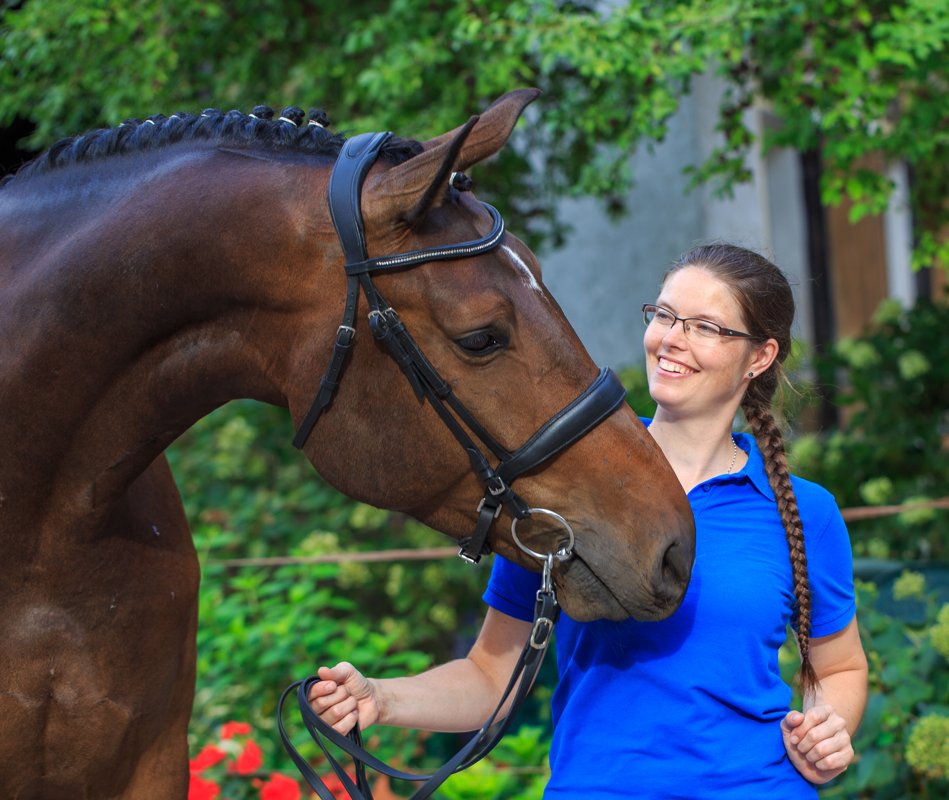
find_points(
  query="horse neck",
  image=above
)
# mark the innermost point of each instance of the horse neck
(146, 309)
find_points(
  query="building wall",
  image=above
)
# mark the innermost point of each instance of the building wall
(608, 268)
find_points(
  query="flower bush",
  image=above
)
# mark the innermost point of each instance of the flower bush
(902, 745)
(890, 386)
(927, 750)
(231, 769)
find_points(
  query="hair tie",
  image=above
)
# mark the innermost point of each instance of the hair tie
(460, 181)
(319, 118)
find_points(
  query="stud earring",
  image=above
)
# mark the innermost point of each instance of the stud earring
(751, 374)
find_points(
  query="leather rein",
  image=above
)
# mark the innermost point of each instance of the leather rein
(597, 402)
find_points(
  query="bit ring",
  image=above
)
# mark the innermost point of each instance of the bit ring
(562, 554)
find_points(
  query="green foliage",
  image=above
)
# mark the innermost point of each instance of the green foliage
(637, 391)
(858, 79)
(901, 745)
(940, 632)
(891, 385)
(853, 77)
(516, 770)
(249, 494)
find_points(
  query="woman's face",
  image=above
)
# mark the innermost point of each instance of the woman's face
(688, 374)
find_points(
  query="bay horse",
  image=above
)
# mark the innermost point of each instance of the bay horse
(151, 273)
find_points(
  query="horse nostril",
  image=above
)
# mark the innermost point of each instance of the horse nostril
(676, 565)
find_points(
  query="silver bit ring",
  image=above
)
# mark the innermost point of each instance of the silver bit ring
(563, 553)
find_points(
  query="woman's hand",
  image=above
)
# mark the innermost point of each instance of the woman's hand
(343, 697)
(818, 742)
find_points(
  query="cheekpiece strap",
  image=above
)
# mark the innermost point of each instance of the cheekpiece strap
(354, 161)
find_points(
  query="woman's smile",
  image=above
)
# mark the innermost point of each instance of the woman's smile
(668, 365)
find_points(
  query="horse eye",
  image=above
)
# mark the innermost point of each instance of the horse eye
(479, 343)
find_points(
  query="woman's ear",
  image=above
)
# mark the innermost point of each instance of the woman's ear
(762, 357)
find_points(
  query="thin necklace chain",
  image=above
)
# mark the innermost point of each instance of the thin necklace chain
(731, 465)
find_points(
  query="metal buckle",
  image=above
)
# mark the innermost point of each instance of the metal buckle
(546, 603)
(347, 332)
(540, 633)
(465, 557)
(497, 511)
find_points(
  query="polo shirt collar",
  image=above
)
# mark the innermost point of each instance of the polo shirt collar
(754, 468)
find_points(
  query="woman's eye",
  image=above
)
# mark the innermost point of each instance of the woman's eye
(705, 328)
(479, 343)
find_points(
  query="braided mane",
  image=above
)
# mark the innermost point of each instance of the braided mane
(290, 132)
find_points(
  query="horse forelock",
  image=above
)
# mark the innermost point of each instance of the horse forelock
(230, 128)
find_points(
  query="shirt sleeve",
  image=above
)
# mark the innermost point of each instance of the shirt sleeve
(512, 589)
(829, 560)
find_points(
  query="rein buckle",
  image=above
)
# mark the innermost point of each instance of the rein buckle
(345, 335)
(540, 633)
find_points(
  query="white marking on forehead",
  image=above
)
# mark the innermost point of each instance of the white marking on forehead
(529, 278)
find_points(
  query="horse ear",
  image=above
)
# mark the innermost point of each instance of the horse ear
(416, 184)
(493, 129)
(411, 188)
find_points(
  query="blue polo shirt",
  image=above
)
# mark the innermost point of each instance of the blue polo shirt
(691, 707)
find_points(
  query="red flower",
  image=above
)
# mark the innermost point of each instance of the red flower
(250, 760)
(335, 785)
(280, 787)
(200, 789)
(231, 729)
(208, 757)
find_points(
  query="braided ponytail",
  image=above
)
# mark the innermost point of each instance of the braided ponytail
(771, 443)
(764, 295)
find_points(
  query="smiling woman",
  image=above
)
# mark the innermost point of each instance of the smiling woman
(692, 705)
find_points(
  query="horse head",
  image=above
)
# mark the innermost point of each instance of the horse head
(495, 335)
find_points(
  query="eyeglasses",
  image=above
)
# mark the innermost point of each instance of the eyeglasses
(705, 331)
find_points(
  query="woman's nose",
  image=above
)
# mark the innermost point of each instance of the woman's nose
(676, 333)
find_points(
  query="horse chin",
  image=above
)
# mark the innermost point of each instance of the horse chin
(586, 596)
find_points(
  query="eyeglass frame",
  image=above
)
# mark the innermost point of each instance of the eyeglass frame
(722, 330)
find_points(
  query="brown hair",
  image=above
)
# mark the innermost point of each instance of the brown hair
(767, 305)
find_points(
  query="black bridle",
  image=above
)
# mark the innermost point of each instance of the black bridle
(597, 402)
